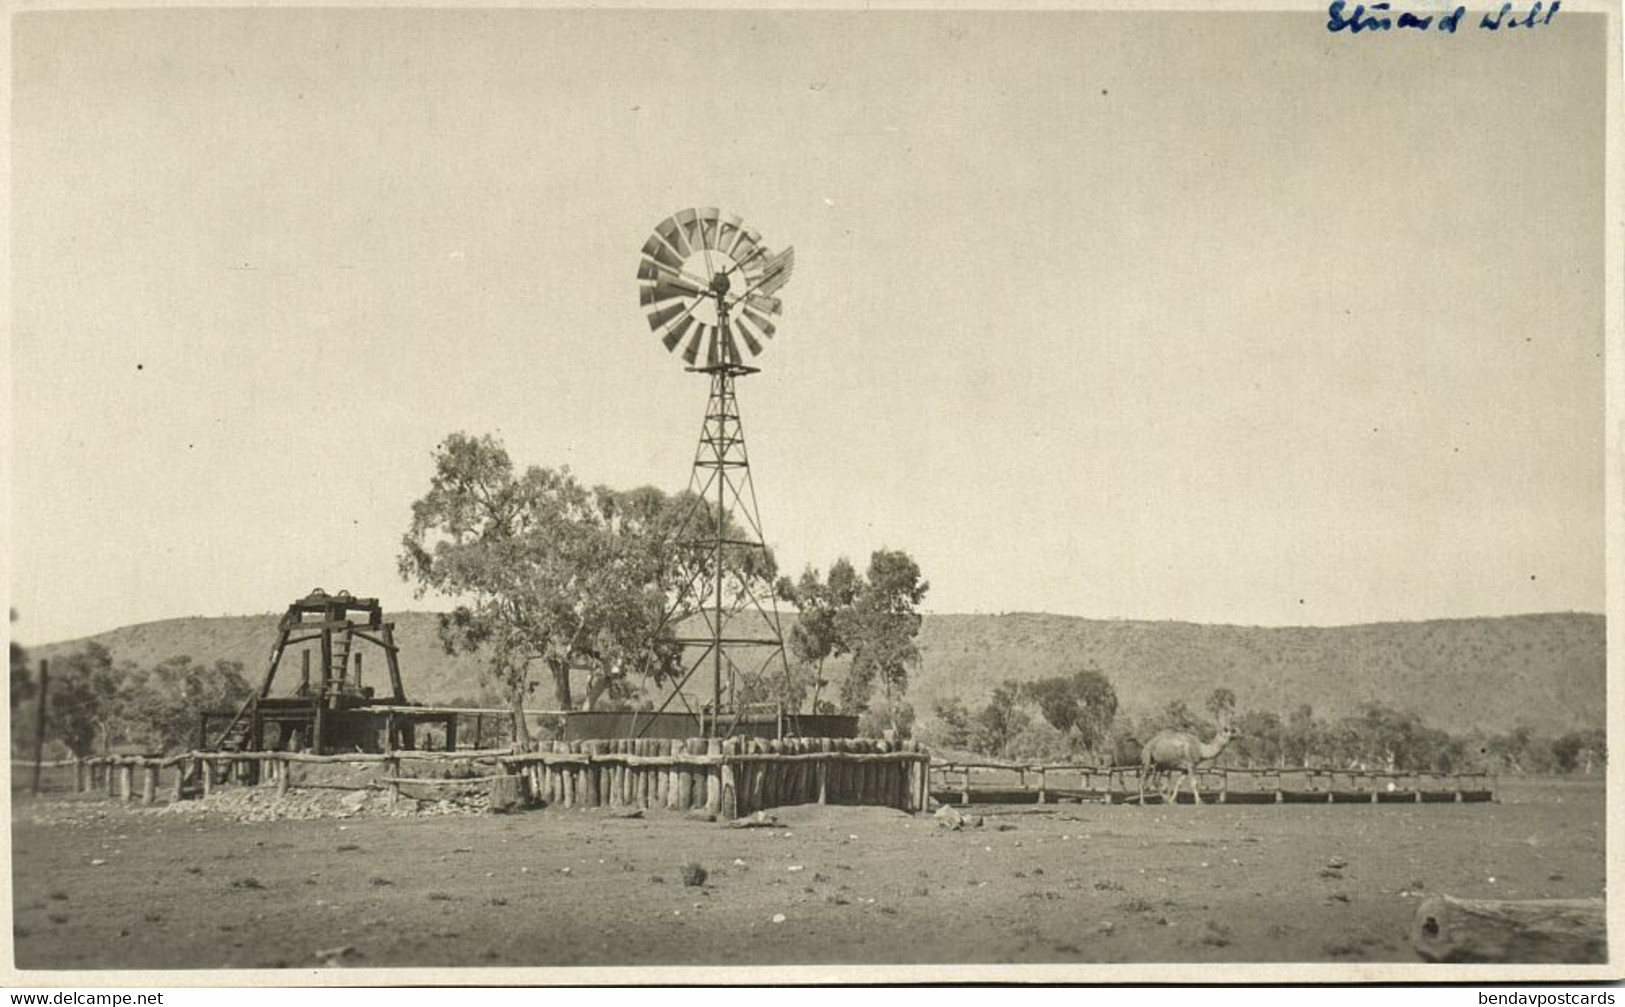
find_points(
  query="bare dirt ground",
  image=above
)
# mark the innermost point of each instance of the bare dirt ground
(99, 885)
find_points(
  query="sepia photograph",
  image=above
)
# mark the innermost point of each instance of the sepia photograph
(1171, 541)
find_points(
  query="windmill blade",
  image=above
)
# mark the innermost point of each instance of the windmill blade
(674, 335)
(662, 317)
(765, 305)
(749, 243)
(777, 272)
(688, 222)
(650, 269)
(730, 346)
(709, 219)
(761, 322)
(742, 327)
(662, 253)
(691, 352)
(672, 234)
(729, 234)
(654, 293)
(712, 346)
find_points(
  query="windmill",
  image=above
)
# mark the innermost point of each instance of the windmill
(708, 283)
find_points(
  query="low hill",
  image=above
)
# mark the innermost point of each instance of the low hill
(1545, 671)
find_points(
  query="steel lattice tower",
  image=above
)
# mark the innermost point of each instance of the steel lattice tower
(707, 283)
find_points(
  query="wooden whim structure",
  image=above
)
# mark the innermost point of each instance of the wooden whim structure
(327, 710)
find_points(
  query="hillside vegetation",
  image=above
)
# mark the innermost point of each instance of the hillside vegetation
(1546, 672)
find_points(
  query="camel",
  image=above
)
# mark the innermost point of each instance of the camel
(1169, 751)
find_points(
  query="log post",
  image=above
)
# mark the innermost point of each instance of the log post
(759, 776)
(674, 776)
(126, 780)
(205, 770)
(823, 771)
(1448, 929)
(282, 767)
(730, 785)
(1043, 795)
(589, 773)
(964, 790)
(392, 766)
(79, 775)
(179, 790)
(713, 778)
(149, 783)
(111, 777)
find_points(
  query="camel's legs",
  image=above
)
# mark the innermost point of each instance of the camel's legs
(1194, 792)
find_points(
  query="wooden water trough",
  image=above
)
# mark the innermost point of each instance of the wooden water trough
(726, 777)
(994, 782)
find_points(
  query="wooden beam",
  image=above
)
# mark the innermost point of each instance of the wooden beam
(1448, 929)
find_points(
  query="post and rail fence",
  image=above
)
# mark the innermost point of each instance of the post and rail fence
(1003, 782)
(725, 777)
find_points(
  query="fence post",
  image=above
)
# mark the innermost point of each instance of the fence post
(1043, 795)
(205, 772)
(39, 719)
(149, 783)
(179, 789)
(730, 785)
(823, 772)
(393, 767)
(78, 774)
(282, 767)
(126, 780)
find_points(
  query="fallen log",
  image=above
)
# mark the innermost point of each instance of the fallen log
(1448, 929)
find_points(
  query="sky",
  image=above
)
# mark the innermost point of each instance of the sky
(1219, 318)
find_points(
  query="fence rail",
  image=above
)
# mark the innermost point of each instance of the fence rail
(952, 782)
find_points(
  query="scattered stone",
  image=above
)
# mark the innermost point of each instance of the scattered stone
(337, 957)
(1216, 934)
(778, 917)
(694, 875)
(695, 815)
(1337, 863)
(759, 820)
(627, 813)
(949, 818)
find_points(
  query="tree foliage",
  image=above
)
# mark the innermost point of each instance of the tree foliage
(541, 569)
(1081, 706)
(83, 704)
(161, 704)
(874, 618)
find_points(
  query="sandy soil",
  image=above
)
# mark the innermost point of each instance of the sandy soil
(109, 887)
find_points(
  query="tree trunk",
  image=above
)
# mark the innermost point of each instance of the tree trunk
(561, 684)
(521, 730)
(1480, 930)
